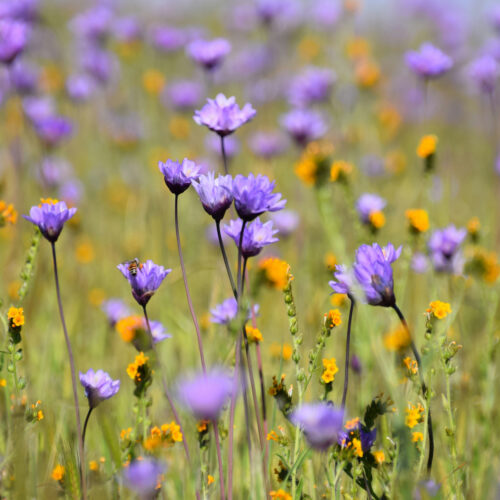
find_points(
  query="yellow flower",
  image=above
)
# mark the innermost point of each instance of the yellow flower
(333, 318)
(473, 226)
(48, 201)
(418, 219)
(272, 436)
(397, 340)
(85, 252)
(330, 261)
(367, 73)
(253, 334)
(210, 479)
(277, 272)
(308, 48)
(379, 456)
(427, 146)
(132, 370)
(416, 437)
(16, 315)
(305, 170)
(313, 162)
(153, 81)
(395, 161)
(13, 289)
(413, 415)
(127, 327)
(411, 365)
(58, 473)
(179, 127)
(7, 213)
(39, 415)
(340, 170)
(93, 465)
(96, 296)
(338, 299)
(202, 425)
(439, 309)
(356, 446)
(125, 433)
(280, 495)
(377, 219)
(277, 351)
(51, 78)
(330, 369)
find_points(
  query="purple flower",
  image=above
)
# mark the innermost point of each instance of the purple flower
(271, 11)
(227, 310)
(367, 437)
(158, 331)
(321, 423)
(127, 29)
(38, 108)
(209, 53)
(355, 364)
(115, 310)
(484, 72)
(215, 194)
(206, 394)
(344, 280)
(97, 62)
(94, 24)
(373, 271)
(312, 86)
(367, 204)
(286, 222)
(223, 115)
(142, 476)
(13, 39)
(80, 87)
(23, 76)
(268, 144)
(25, 10)
(428, 62)
(255, 237)
(179, 176)
(144, 278)
(326, 13)
(50, 217)
(53, 170)
(304, 125)
(419, 263)
(167, 39)
(53, 129)
(182, 94)
(444, 249)
(98, 386)
(71, 191)
(253, 195)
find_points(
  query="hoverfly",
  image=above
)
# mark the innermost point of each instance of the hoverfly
(132, 266)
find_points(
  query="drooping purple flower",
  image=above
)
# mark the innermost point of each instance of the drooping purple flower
(80, 87)
(227, 310)
(98, 386)
(209, 53)
(321, 423)
(428, 62)
(14, 37)
(115, 310)
(23, 10)
(143, 476)
(223, 115)
(286, 221)
(373, 272)
(215, 193)
(311, 86)
(255, 237)
(268, 144)
(50, 218)
(367, 204)
(206, 394)
(344, 280)
(304, 125)
(167, 38)
(484, 72)
(53, 129)
(444, 249)
(179, 176)
(253, 195)
(182, 94)
(144, 278)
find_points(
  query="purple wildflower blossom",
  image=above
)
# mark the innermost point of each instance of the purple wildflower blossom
(115, 310)
(209, 53)
(419, 263)
(367, 437)
(38, 108)
(444, 249)
(142, 476)
(215, 193)
(304, 125)
(268, 144)
(223, 115)
(98, 386)
(227, 310)
(326, 13)
(367, 204)
(286, 222)
(25, 10)
(206, 394)
(312, 86)
(50, 218)
(428, 62)
(93, 24)
(253, 195)
(179, 176)
(321, 423)
(344, 280)
(144, 278)
(71, 191)
(13, 39)
(23, 76)
(80, 87)
(53, 129)
(97, 62)
(127, 29)
(255, 237)
(167, 38)
(373, 271)
(182, 94)
(484, 72)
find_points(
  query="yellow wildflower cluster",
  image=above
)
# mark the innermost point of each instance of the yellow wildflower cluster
(210, 479)
(397, 340)
(125, 433)
(276, 271)
(312, 162)
(418, 219)
(202, 426)
(333, 318)
(395, 161)
(414, 415)
(127, 327)
(284, 351)
(133, 368)
(356, 446)
(36, 411)
(411, 365)
(439, 309)
(473, 226)
(379, 456)
(416, 437)
(7, 213)
(280, 495)
(377, 219)
(94, 464)
(485, 264)
(16, 316)
(58, 473)
(272, 436)
(329, 370)
(48, 201)
(427, 146)
(166, 435)
(84, 252)
(253, 334)
(340, 170)
(358, 48)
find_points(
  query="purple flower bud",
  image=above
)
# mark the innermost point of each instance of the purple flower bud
(223, 115)
(367, 204)
(98, 386)
(50, 217)
(13, 39)
(179, 176)
(304, 125)
(142, 477)
(53, 129)
(209, 53)
(167, 39)
(144, 278)
(444, 249)
(255, 237)
(321, 423)
(94, 24)
(428, 62)
(215, 194)
(126, 29)
(419, 263)
(227, 310)
(286, 222)
(97, 62)
(23, 76)
(355, 364)
(38, 108)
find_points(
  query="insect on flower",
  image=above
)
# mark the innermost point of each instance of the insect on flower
(132, 266)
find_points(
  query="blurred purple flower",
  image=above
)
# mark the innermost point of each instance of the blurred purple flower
(97, 62)
(50, 218)
(419, 263)
(179, 176)
(23, 76)
(182, 94)
(52, 130)
(344, 280)
(98, 386)
(271, 12)
(253, 195)
(326, 13)
(368, 203)
(286, 221)
(304, 125)
(355, 364)
(144, 278)
(53, 170)
(215, 193)
(484, 72)
(255, 237)
(167, 38)
(24, 10)
(93, 24)
(227, 310)
(321, 423)
(209, 53)
(206, 394)
(14, 37)
(115, 310)
(142, 477)
(71, 191)
(38, 108)
(126, 29)
(268, 144)
(373, 271)
(313, 85)
(80, 87)
(428, 62)
(444, 249)
(223, 115)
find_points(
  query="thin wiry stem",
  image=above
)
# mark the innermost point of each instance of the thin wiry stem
(186, 287)
(424, 388)
(219, 460)
(226, 262)
(73, 376)
(85, 425)
(224, 155)
(347, 346)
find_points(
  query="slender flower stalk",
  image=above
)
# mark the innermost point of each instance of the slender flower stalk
(224, 155)
(73, 376)
(85, 425)
(347, 345)
(219, 460)
(226, 262)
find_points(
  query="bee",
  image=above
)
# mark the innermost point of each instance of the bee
(132, 266)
